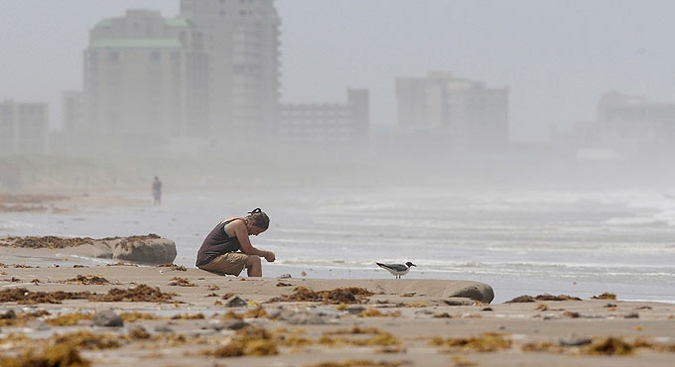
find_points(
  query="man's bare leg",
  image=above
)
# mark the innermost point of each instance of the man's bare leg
(254, 266)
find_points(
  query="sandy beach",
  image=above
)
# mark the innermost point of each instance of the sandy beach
(175, 316)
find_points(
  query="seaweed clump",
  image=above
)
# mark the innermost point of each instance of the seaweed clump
(336, 296)
(68, 319)
(12, 318)
(485, 342)
(84, 339)
(60, 354)
(606, 295)
(181, 282)
(87, 280)
(50, 242)
(360, 363)
(250, 341)
(140, 293)
(173, 267)
(543, 297)
(24, 297)
(610, 346)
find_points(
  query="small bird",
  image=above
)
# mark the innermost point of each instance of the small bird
(397, 270)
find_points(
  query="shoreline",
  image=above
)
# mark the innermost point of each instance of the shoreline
(196, 318)
(70, 256)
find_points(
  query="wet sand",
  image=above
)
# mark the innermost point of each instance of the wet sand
(200, 319)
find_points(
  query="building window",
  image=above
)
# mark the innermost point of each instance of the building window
(114, 57)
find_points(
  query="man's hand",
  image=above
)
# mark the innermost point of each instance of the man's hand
(270, 257)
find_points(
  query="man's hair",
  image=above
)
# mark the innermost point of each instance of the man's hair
(260, 219)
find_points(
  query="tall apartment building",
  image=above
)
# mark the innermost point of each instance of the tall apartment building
(212, 70)
(466, 112)
(24, 127)
(634, 125)
(72, 110)
(145, 75)
(326, 123)
(241, 38)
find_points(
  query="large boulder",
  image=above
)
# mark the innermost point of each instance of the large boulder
(475, 291)
(149, 249)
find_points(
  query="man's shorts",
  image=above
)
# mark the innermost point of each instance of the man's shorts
(231, 263)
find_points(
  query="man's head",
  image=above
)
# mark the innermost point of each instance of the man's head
(259, 219)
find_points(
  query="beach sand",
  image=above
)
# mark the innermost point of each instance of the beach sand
(188, 317)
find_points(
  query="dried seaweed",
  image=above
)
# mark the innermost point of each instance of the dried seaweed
(50, 242)
(485, 342)
(173, 267)
(606, 295)
(181, 282)
(336, 296)
(360, 363)
(610, 346)
(68, 319)
(140, 293)
(23, 296)
(58, 355)
(543, 297)
(249, 341)
(87, 280)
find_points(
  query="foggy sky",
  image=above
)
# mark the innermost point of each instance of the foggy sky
(558, 57)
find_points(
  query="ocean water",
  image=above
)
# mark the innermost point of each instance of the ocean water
(579, 243)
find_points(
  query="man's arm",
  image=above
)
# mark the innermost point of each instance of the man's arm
(241, 232)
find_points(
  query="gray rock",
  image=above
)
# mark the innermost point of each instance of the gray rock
(458, 301)
(145, 250)
(234, 324)
(163, 329)
(355, 309)
(235, 301)
(9, 315)
(305, 317)
(108, 318)
(574, 340)
(478, 291)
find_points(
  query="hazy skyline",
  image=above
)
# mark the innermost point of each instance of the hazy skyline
(557, 57)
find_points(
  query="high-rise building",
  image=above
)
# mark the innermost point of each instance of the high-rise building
(24, 127)
(145, 75)
(469, 114)
(241, 38)
(72, 110)
(326, 123)
(635, 126)
(213, 70)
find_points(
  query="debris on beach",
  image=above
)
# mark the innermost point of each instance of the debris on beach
(361, 363)
(50, 242)
(69, 319)
(87, 280)
(181, 282)
(543, 297)
(61, 354)
(606, 295)
(23, 296)
(140, 293)
(173, 267)
(336, 296)
(610, 346)
(485, 342)
(249, 341)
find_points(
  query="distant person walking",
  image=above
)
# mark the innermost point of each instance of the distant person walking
(157, 191)
(227, 248)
